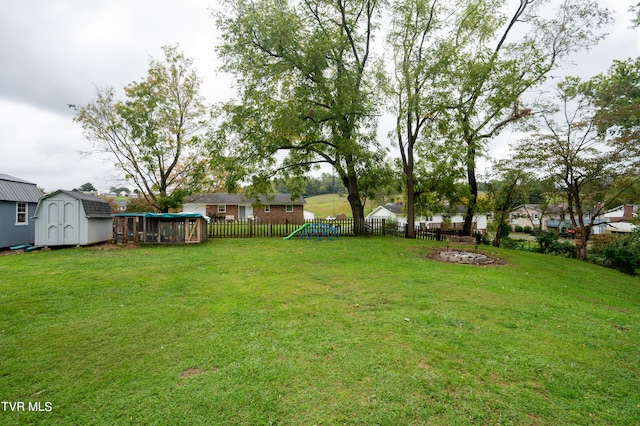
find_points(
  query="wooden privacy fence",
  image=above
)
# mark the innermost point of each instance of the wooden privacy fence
(261, 229)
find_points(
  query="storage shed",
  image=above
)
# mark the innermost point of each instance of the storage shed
(18, 201)
(159, 228)
(66, 218)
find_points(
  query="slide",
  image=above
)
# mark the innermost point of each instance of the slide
(288, 237)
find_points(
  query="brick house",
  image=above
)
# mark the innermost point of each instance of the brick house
(274, 208)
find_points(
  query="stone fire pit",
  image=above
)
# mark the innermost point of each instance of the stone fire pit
(458, 256)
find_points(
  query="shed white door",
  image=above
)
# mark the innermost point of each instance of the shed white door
(62, 222)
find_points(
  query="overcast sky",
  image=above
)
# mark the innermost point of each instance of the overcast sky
(54, 52)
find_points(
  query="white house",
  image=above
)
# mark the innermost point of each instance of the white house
(616, 220)
(455, 219)
(388, 212)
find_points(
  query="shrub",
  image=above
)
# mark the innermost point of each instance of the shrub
(565, 249)
(621, 252)
(549, 244)
(518, 228)
(526, 229)
(482, 238)
(546, 240)
(512, 243)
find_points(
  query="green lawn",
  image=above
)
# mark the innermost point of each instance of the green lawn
(356, 331)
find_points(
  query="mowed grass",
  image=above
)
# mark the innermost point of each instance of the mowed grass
(355, 331)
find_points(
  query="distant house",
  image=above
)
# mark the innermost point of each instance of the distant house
(18, 201)
(617, 219)
(275, 208)
(65, 218)
(454, 219)
(546, 218)
(389, 211)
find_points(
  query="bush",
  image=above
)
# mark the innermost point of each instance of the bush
(621, 252)
(565, 249)
(549, 244)
(526, 229)
(546, 240)
(518, 228)
(512, 243)
(482, 238)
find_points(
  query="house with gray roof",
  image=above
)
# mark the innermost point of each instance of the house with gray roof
(273, 208)
(18, 201)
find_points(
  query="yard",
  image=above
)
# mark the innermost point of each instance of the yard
(351, 331)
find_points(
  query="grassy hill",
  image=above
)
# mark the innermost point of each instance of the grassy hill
(328, 205)
(355, 331)
(331, 205)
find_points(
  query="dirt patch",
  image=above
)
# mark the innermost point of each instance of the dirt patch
(112, 246)
(190, 372)
(434, 254)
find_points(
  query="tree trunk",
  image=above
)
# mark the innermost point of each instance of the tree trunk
(582, 238)
(498, 238)
(357, 208)
(411, 202)
(473, 193)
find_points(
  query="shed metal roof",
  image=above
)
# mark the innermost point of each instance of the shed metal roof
(225, 198)
(15, 189)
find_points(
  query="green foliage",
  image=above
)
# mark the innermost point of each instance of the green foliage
(549, 244)
(569, 150)
(118, 189)
(546, 240)
(616, 96)
(305, 86)
(518, 228)
(621, 252)
(512, 243)
(86, 187)
(159, 135)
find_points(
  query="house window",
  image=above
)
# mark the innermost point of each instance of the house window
(289, 209)
(21, 214)
(222, 208)
(535, 215)
(267, 209)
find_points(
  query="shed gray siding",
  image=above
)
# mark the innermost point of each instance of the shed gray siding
(66, 218)
(12, 234)
(12, 191)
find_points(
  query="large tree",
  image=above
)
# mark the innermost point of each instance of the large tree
(158, 135)
(496, 56)
(413, 94)
(305, 89)
(589, 169)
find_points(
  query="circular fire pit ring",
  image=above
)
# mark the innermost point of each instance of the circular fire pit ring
(459, 256)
